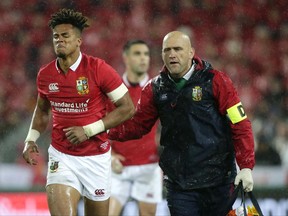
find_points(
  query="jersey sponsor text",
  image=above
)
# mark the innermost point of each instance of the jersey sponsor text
(70, 107)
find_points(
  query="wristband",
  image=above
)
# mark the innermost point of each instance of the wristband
(94, 128)
(32, 135)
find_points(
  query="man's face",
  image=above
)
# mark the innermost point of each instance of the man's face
(177, 54)
(137, 58)
(66, 40)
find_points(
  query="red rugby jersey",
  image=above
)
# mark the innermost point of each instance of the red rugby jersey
(140, 151)
(78, 98)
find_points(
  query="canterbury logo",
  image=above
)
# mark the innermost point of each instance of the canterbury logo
(99, 192)
(104, 145)
(53, 87)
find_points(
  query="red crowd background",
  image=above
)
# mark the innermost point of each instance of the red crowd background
(246, 39)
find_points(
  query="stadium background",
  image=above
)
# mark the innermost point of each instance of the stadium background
(246, 39)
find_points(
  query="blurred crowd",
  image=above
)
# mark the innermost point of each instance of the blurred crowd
(246, 39)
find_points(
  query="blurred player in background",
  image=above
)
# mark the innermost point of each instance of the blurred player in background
(75, 87)
(204, 127)
(135, 170)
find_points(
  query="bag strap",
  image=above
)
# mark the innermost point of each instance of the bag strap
(231, 200)
(243, 198)
(233, 197)
(253, 200)
(255, 203)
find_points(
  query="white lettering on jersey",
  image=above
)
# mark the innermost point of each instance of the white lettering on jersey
(70, 107)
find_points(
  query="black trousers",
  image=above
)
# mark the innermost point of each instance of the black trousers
(199, 202)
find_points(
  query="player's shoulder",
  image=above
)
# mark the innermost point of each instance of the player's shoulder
(48, 67)
(92, 60)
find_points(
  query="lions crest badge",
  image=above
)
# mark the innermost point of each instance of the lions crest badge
(54, 166)
(197, 93)
(82, 85)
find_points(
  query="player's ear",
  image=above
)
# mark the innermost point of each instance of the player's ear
(192, 52)
(125, 58)
(79, 42)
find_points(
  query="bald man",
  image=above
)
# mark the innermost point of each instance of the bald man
(204, 127)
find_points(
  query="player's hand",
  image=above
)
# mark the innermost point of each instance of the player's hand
(245, 175)
(30, 153)
(116, 164)
(75, 134)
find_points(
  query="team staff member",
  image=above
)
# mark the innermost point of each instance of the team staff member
(75, 87)
(136, 173)
(204, 127)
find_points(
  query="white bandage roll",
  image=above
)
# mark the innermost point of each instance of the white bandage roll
(32, 135)
(94, 128)
(117, 93)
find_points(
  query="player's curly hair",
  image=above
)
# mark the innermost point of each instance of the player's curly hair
(68, 16)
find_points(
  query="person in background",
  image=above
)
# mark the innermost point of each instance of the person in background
(75, 87)
(204, 127)
(265, 154)
(135, 170)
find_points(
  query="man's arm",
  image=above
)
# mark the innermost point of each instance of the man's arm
(142, 122)
(244, 151)
(116, 161)
(38, 124)
(242, 135)
(124, 110)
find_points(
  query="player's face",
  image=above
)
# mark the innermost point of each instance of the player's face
(177, 55)
(138, 58)
(66, 40)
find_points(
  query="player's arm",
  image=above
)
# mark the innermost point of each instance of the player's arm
(38, 124)
(123, 111)
(124, 108)
(116, 162)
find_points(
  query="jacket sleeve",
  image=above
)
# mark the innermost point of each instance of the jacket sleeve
(229, 104)
(142, 122)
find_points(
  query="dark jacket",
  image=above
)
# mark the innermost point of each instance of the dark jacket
(199, 140)
(196, 138)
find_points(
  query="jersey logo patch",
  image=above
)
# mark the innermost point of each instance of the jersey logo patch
(197, 93)
(104, 145)
(82, 85)
(100, 192)
(53, 87)
(54, 166)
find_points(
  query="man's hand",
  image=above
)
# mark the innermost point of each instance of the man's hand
(30, 153)
(245, 176)
(117, 166)
(75, 134)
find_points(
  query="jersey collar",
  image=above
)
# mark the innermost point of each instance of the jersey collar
(72, 67)
(187, 75)
(141, 84)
